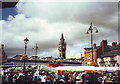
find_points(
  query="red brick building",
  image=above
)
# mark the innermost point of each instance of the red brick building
(103, 55)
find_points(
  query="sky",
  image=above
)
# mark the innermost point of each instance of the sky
(42, 22)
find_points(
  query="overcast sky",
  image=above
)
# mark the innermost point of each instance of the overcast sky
(43, 23)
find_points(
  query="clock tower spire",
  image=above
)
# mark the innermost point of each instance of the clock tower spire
(62, 47)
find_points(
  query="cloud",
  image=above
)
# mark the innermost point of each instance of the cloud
(44, 22)
(77, 11)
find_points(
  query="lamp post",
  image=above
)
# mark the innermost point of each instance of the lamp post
(90, 30)
(36, 48)
(25, 56)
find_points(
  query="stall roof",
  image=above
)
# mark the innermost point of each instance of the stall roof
(82, 68)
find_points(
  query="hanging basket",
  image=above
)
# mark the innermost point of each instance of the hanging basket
(25, 57)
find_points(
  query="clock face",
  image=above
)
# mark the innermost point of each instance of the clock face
(60, 47)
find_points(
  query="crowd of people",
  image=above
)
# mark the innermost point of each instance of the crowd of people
(62, 77)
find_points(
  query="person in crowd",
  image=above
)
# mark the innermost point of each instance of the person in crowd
(56, 78)
(116, 77)
(78, 79)
(91, 78)
(83, 77)
(100, 80)
(19, 80)
(59, 76)
(14, 78)
(31, 75)
(63, 77)
(38, 81)
(26, 79)
(10, 78)
(104, 78)
(5, 79)
(43, 79)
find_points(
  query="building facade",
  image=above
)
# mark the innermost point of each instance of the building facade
(103, 55)
(62, 47)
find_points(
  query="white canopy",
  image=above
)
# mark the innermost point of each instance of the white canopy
(43, 67)
(74, 68)
(82, 68)
(38, 67)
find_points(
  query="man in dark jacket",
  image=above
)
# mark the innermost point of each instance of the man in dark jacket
(91, 78)
(10, 78)
(26, 79)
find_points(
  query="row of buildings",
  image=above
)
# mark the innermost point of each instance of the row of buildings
(101, 55)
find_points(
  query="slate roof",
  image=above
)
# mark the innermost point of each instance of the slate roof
(109, 54)
(115, 47)
(113, 51)
(97, 47)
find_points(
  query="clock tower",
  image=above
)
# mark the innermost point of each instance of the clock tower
(62, 47)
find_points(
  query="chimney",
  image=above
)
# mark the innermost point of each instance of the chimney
(104, 45)
(114, 43)
(94, 45)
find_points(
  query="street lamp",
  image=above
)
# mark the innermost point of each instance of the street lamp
(90, 30)
(36, 48)
(25, 56)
